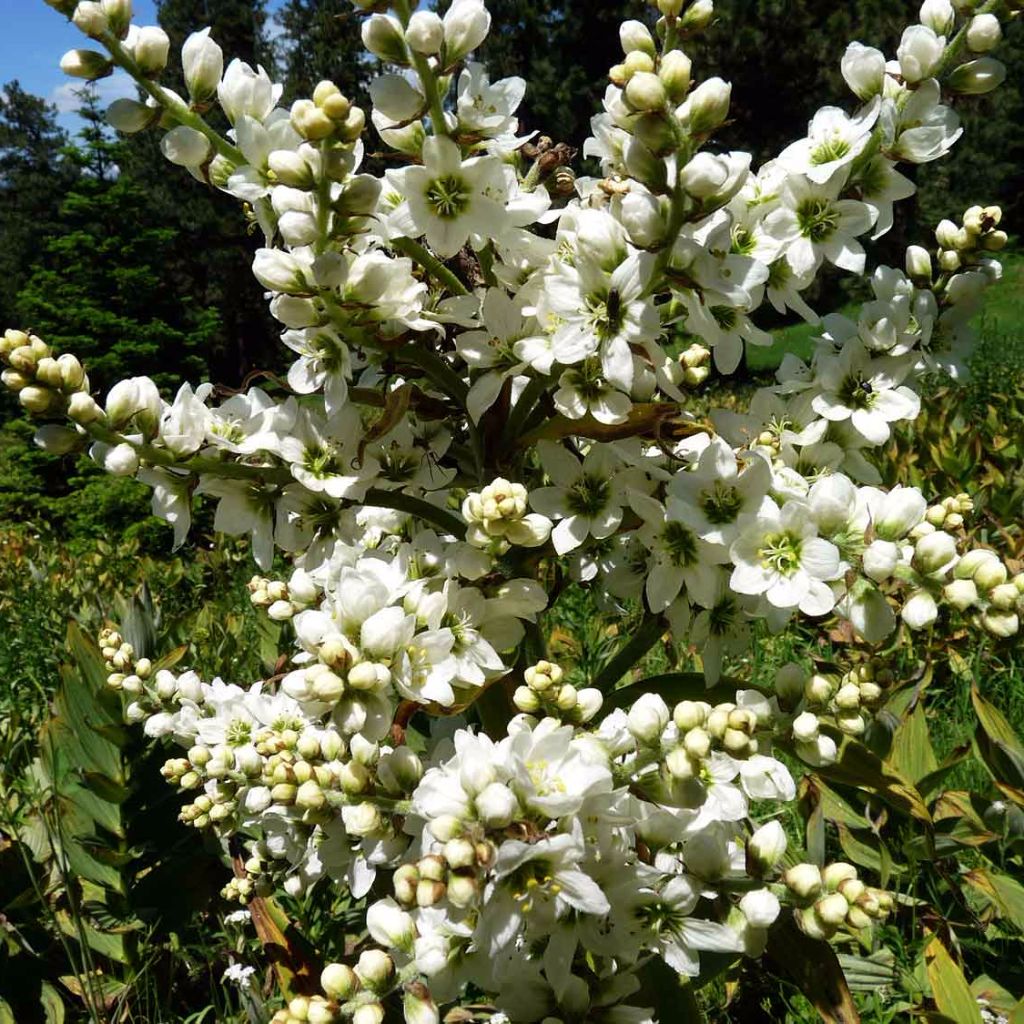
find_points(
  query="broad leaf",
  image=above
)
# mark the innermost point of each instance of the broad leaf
(950, 990)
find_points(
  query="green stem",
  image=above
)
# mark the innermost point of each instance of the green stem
(430, 263)
(440, 517)
(427, 76)
(177, 107)
(436, 369)
(630, 653)
(521, 410)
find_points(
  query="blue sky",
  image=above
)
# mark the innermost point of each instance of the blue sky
(34, 37)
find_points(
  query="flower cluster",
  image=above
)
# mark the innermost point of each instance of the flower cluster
(487, 400)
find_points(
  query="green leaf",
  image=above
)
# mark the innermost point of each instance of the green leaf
(867, 850)
(998, 744)
(53, 1005)
(869, 974)
(6, 1013)
(911, 753)
(950, 990)
(1004, 893)
(858, 766)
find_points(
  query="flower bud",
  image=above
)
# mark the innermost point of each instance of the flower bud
(310, 121)
(706, 107)
(90, 19)
(864, 70)
(765, 849)
(698, 16)
(202, 61)
(418, 1007)
(375, 968)
(938, 15)
(87, 64)
(831, 910)
(647, 718)
(1001, 624)
(674, 71)
(983, 33)
(805, 727)
(804, 880)
(83, 408)
(835, 874)
(368, 1013)
(361, 820)
(935, 554)
(425, 33)
(151, 49)
(961, 594)
(978, 77)
(36, 399)
(466, 24)
(57, 440)
(670, 8)
(1004, 597)
(130, 116)
(635, 35)
(918, 263)
(390, 926)
(496, 806)
(920, 611)
(121, 460)
(689, 714)
(760, 907)
(644, 91)
(789, 683)
(919, 53)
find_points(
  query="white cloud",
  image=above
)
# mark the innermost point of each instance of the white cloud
(117, 86)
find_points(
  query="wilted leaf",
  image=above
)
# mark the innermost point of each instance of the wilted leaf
(53, 1005)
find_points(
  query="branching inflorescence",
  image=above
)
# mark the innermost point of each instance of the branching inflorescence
(489, 399)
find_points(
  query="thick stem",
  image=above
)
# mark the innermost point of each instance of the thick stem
(430, 263)
(630, 653)
(176, 107)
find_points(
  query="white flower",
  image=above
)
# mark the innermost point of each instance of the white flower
(244, 91)
(450, 198)
(586, 496)
(485, 108)
(780, 555)
(834, 140)
(713, 496)
(582, 390)
(865, 391)
(814, 224)
(678, 556)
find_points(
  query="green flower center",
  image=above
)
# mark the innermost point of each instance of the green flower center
(831, 149)
(604, 314)
(724, 316)
(817, 219)
(781, 552)
(589, 495)
(856, 393)
(238, 732)
(448, 197)
(743, 242)
(680, 544)
(720, 503)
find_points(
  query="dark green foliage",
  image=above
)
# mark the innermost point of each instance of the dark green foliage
(33, 177)
(321, 40)
(100, 287)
